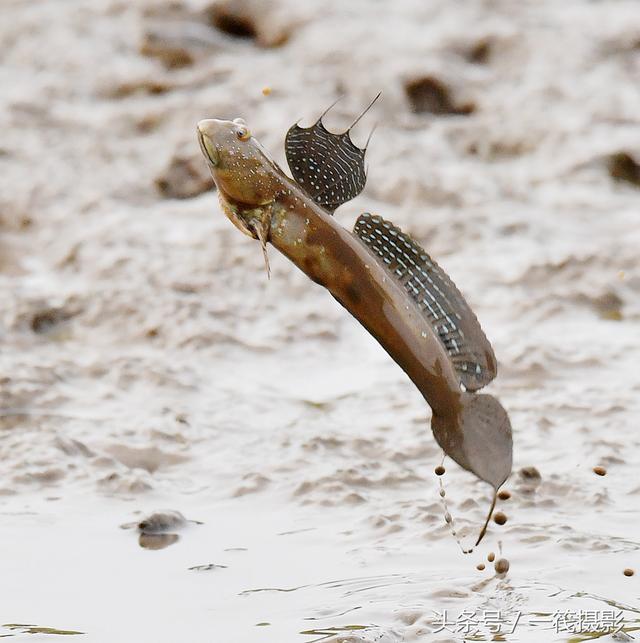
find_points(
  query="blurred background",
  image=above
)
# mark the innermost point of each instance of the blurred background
(147, 364)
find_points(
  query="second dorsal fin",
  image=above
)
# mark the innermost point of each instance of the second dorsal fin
(328, 167)
(437, 297)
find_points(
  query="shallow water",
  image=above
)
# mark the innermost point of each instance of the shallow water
(146, 363)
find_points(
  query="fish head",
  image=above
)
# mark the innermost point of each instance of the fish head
(241, 169)
(248, 181)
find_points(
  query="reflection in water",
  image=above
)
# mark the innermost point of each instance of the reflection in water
(325, 616)
(369, 582)
(157, 541)
(206, 568)
(156, 529)
(327, 633)
(21, 628)
(417, 590)
(354, 634)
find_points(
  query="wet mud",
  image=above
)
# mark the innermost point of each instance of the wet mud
(146, 362)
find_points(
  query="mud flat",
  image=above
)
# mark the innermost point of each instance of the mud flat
(146, 365)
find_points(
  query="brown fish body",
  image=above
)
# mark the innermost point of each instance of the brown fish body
(336, 259)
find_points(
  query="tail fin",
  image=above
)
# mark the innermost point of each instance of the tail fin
(478, 437)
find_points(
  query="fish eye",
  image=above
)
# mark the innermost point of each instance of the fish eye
(243, 133)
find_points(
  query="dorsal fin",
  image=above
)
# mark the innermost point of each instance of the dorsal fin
(436, 295)
(328, 167)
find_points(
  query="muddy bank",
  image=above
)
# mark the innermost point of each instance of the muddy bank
(146, 364)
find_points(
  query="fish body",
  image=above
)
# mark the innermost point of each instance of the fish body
(336, 259)
(266, 204)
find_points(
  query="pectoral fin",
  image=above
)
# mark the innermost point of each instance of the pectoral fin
(263, 238)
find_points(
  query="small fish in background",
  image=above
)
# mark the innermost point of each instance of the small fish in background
(157, 530)
(381, 275)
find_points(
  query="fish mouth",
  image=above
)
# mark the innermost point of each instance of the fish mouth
(207, 145)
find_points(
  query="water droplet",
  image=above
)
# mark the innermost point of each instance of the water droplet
(491, 557)
(501, 566)
(439, 470)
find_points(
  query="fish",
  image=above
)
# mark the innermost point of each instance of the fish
(381, 275)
